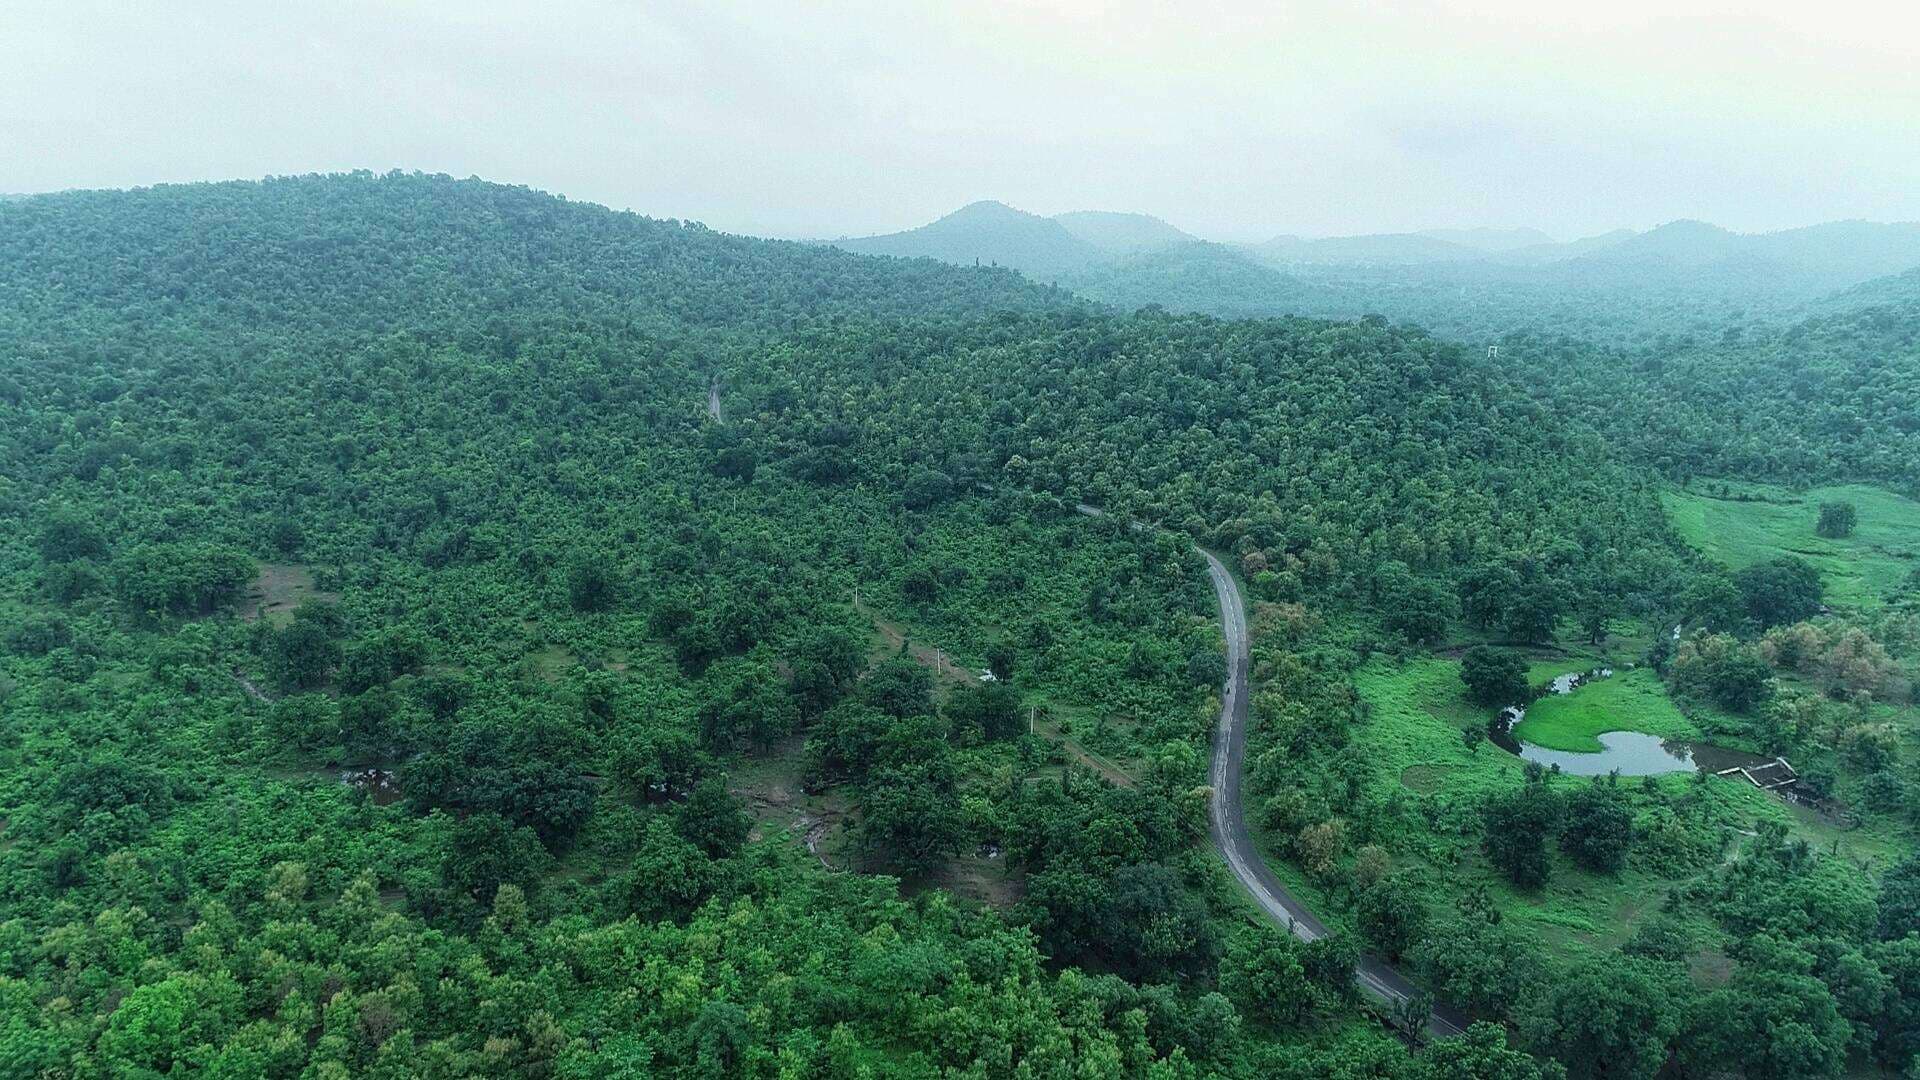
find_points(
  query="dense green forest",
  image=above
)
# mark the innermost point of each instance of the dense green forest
(449, 631)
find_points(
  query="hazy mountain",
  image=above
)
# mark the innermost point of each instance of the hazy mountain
(1203, 277)
(1122, 233)
(1828, 256)
(1491, 241)
(988, 233)
(1376, 249)
(1897, 290)
(1556, 252)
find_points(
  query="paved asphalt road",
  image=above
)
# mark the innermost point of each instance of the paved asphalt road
(1229, 822)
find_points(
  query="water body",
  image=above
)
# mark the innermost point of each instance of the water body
(1630, 753)
(1636, 753)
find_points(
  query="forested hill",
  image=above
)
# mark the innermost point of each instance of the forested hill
(365, 255)
(315, 477)
(1831, 397)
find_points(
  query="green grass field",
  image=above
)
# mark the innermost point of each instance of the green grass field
(1629, 701)
(1412, 739)
(1760, 522)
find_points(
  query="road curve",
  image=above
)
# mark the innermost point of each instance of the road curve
(1228, 821)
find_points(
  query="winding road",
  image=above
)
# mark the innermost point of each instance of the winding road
(1228, 819)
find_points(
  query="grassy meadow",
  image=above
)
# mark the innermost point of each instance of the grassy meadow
(1740, 524)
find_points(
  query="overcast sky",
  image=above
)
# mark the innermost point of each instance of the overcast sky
(780, 117)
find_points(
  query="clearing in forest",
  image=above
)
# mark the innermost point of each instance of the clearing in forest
(1628, 701)
(278, 590)
(1740, 524)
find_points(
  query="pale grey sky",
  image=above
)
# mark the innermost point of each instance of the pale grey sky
(779, 117)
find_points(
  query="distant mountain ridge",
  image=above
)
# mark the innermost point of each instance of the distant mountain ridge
(1121, 232)
(988, 232)
(1470, 281)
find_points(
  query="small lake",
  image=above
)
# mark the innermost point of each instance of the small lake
(1635, 753)
(1630, 753)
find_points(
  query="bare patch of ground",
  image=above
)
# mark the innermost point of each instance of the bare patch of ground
(278, 591)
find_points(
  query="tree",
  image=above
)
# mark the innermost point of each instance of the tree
(1785, 590)
(1417, 608)
(1598, 828)
(1518, 825)
(180, 579)
(1900, 900)
(1482, 1054)
(1494, 677)
(1837, 520)
(660, 764)
(713, 820)
(1154, 925)
(1390, 916)
(1723, 670)
(485, 851)
(899, 687)
(70, 534)
(1770, 1025)
(1610, 1017)
(1262, 973)
(302, 655)
(992, 709)
(591, 582)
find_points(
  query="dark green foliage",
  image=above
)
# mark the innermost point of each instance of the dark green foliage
(712, 819)
(71, 534)
(1610, 1017)
(1494, 677)
(179, 579)
(485, 851)
(592, 584)
(1391, 916)
(899, 688)
(1723, 670)
(1900, 900)
(1518, 825)
(991, 709)
(303, 654)
(1597, 828)
(1785, 590)
(1261, 971)
(1837, 520)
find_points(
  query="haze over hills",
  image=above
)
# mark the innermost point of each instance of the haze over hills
(1491, 240)
(1120, 232)
(1474, 284)
(988, 233)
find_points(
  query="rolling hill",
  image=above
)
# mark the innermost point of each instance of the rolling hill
(1122, 233)
(988, 234)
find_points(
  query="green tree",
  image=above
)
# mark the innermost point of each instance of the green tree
(1597, 830)
(1517, 826)
(1261, 971)
(1784, 590)
(1837, 520)
(1494, 677)
(1610, 1017)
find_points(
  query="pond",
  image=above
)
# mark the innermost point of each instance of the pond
(1631, 753)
